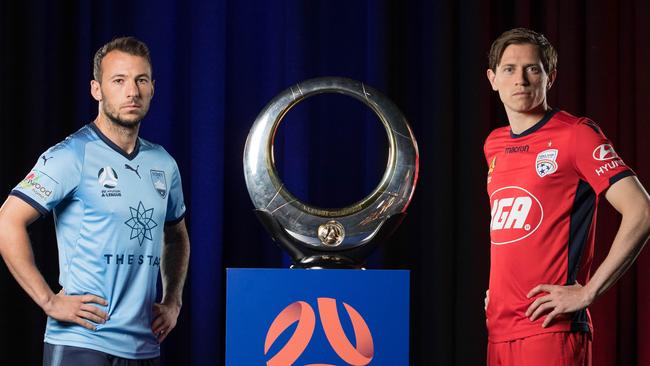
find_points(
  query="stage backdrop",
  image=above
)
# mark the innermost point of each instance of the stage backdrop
(218, 62)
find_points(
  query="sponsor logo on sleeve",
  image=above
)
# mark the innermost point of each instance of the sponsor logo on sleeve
(546, 163)
(604, 152)
(39, 183)
(516, 214)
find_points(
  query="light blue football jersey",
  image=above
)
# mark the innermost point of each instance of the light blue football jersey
(110, 209)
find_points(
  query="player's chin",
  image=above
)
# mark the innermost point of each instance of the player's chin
(130, 119)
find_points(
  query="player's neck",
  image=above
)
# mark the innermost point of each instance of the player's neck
(124, 137)
(521, 121)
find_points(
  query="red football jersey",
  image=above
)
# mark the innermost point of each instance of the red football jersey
(543, 186)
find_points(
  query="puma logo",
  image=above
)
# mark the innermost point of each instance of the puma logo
(127, 166)
(45, 159)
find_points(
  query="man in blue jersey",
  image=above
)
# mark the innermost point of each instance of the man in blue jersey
(118, 207)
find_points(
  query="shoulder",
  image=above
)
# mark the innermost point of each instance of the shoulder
(497, 134)
(157, 151)
(576, 122)
(73, 146)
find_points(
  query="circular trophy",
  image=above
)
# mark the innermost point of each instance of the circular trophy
(330, 238)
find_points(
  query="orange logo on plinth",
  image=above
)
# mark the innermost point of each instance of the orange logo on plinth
(303, 313)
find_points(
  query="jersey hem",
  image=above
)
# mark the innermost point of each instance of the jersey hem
(567, 328)
(30, 201)
(175, 221)
(132, 356)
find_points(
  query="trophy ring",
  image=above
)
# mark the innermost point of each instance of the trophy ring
(330, 237)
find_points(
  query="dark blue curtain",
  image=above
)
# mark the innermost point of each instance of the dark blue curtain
(217, 63)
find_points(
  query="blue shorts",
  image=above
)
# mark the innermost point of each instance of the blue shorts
(60, 355)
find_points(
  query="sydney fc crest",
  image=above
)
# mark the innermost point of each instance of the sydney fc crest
(545, 163)
(159, 182)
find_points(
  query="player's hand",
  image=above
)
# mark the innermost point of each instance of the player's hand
(559, 300)
(76, 309)
(487, 299)
(164, 319)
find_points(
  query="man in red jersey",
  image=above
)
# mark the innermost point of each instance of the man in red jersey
(546, 173)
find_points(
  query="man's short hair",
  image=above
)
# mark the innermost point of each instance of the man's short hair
(547, 53)
(130, 45)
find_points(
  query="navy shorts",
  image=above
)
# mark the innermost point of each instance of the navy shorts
(59, 355)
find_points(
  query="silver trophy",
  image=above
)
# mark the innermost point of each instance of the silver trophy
(340, 237)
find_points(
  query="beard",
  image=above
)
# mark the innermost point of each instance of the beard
(114, 117)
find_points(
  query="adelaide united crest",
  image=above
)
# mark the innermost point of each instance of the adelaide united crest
(546, 163)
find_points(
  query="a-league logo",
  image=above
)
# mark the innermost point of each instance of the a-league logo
(304, 314)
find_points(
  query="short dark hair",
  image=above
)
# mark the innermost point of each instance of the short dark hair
(547, 53)
(130, 45)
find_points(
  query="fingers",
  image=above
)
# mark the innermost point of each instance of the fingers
(542, 309)
(158, 324)
(550, 317)
(487, 299)
(85, 324)
(90, 316)
(95, 311)
(93, 299)
(161, 336)
(539, 301)
(538, 289)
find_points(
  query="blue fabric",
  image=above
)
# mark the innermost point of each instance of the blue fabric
(110, 209)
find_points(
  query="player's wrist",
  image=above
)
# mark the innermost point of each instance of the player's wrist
(589, 295)
(172, 301)
(46, 302)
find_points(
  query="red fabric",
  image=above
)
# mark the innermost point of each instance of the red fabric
(533, 185)
(557, 349)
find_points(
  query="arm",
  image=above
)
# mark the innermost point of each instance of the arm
(631, 200)
(16, 250)
(175, 260)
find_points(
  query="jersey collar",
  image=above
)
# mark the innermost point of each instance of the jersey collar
(550, 113)
(114, 146)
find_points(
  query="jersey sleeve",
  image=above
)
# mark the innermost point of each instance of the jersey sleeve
(175, 202)
(54, 176)
(595, 158)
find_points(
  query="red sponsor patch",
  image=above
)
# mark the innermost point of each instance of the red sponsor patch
(516, 214)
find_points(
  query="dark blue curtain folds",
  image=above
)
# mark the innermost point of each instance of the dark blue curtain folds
(217, 63)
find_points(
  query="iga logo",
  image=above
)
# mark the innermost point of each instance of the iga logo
(516, 214)
(302, 313)
(604, 152)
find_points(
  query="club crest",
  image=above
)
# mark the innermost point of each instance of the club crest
(159, 182)
(545, 163)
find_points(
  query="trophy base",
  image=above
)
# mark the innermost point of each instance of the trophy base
(326, 261)
(304, 257)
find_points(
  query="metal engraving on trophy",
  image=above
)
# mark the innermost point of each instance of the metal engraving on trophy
(340, 237)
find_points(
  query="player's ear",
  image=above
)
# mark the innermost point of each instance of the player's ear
(491, 76)
(551, 79)
(96, 90)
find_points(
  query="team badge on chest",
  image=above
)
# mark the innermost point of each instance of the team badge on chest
(545, 163)
(159, 182)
